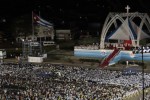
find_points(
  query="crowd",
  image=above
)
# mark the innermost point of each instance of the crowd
(96, 46)
(66, 82)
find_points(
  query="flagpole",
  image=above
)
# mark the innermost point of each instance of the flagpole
(40, 31)
(30, 47)
(32, 27)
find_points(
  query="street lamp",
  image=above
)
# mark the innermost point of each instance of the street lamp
(142, 74)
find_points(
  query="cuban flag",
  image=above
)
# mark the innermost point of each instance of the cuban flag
(40, 21)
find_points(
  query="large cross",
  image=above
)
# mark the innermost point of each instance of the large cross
(127, 8)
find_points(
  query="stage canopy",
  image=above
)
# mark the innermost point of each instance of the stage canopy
(126, 30)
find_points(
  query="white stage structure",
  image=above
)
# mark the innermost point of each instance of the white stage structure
(126, 26)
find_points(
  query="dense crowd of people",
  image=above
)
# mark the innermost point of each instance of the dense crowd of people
(66, 82)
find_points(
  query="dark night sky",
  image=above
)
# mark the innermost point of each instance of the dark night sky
(64, 12)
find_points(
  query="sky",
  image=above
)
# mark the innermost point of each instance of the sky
(64, 12)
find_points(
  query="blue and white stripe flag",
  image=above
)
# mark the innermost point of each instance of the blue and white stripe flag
(41, 21)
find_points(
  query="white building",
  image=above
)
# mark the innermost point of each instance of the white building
(63, 34)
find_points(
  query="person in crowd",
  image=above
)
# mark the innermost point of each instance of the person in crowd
(66, 82)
